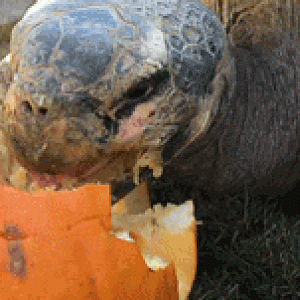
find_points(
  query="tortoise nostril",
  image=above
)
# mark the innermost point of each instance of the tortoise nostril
(151, 113)
(26, 106)
(43, 111)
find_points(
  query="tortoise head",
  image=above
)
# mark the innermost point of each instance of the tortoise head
(94, 77)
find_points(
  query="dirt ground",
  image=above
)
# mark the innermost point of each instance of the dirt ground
(252, 22)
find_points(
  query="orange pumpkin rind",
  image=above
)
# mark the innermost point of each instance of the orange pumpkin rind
(57, 245)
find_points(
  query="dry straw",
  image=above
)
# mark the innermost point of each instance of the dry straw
(266, 15)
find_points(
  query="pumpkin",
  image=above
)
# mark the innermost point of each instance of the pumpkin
(164, 234)
(58, 245)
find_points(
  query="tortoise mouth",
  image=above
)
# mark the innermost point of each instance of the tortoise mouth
(74, 175)
(77, 142)
(51, 162)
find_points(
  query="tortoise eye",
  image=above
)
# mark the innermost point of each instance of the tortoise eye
(140, 93)
(147, 86)
(142, 90)
(134, 96)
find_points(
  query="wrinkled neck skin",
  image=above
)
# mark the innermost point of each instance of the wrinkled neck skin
(249, 137)
(206, 112)
(198, 134)
(194, 155)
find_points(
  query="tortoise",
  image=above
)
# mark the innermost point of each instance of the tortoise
(91, 85)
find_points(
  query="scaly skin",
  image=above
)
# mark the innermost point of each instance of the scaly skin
(93, 80)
